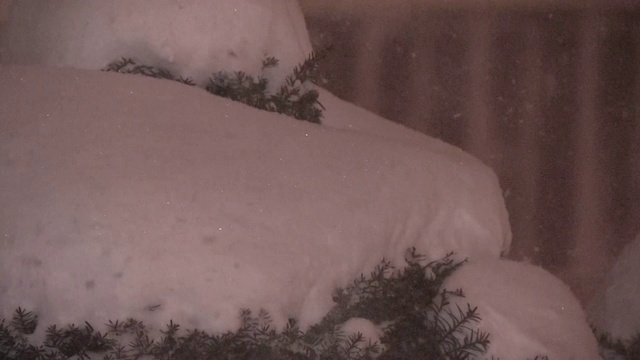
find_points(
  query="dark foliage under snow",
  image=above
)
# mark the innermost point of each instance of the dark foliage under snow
(416, 316)
(293, 98)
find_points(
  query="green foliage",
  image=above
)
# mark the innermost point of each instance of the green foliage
(421, 324)
(417, 319)
(614, 348)
(292, 99)
(24, 321)
(129, 66)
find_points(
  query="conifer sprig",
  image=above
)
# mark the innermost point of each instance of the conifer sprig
(294, 98)
(129, 66)
(24, 322)
(407, 303)
(615, 348)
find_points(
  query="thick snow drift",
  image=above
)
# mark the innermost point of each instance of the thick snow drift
(616, 308)
(189, 37)
(527, 311)
(122, 193)
(126, 196)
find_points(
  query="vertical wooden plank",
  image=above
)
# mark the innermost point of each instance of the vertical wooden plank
(422, 68)
(479, 139)
(369, 66)
(526, 167)
(4, 13)
(634, 189)
(589, 260)
(4, 9)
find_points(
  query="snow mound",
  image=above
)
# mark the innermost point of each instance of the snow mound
(616, 308)
(123, 194)
(371, 333)
(192, 38)
(526, 310)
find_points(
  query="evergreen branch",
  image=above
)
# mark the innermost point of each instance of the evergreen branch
(291, 99)
(627, 348)
(419, 324)
(24, 321)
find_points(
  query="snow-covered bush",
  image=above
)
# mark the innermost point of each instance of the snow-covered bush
(294, 98)
(527, 310)
(617, 348)
(187, 37)
(407, 304)
(126, 196)
(615, 309)
(154, 182)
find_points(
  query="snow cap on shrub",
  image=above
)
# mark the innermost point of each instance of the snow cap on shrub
(527, 311)
(191, 38)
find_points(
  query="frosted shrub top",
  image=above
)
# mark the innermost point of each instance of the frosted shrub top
(192, 38)
(126, 196)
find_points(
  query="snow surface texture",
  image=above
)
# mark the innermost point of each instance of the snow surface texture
(128, 196)
(526, 310)
(123, 192)
(616, 308)
(191, 37)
